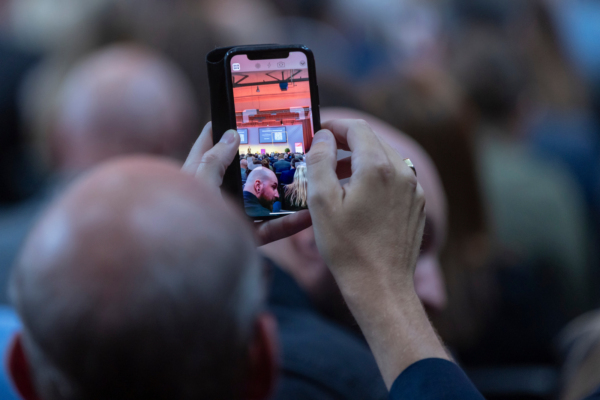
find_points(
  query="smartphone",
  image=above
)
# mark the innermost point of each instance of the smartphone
(273, 97)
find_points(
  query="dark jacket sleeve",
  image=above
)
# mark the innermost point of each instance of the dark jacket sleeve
(434, 379)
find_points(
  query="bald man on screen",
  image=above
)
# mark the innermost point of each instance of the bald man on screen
(260, 192)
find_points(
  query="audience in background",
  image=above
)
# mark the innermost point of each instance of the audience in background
(265, 164)
(120, 100)
(282, 165)
(287, 177)
(252, 163)
(18, 168)
(503, 95)
(244, 169)
(490, 72)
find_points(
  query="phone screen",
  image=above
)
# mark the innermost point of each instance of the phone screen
(274, 117)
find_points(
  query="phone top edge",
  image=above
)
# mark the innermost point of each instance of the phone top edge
(258, 48)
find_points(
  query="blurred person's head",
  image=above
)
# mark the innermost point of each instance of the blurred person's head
(299, 255)
(265, 163)
(243, 21)
(281, 156)
(122, 100)
(128, 288)
(293, 163)
(297, 190)
(169, 28)
(262, 182)
(487, 65)
(554, 81)
(244, 164)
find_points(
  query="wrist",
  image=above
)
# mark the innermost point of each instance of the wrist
(392, 319)
(371, 286)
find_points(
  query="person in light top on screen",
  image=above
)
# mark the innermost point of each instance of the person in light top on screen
(260, 192)
(296, 193)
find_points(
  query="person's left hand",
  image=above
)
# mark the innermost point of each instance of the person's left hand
(209, 162)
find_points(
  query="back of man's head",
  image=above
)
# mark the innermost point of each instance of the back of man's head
(128, 288)
(123, 99)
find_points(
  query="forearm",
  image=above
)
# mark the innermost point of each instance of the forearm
(395, 326)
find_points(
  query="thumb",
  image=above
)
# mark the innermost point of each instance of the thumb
(216, 160)
(324, 190)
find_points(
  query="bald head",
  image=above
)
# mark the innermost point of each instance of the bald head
(262, 182)
(260, 174)
(128, 287)
(121, 100)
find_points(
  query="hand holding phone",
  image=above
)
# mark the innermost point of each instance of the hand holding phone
(372, 248)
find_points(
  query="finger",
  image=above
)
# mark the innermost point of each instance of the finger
(341, 141)
(366, 149)
(397, 160)
(216, 160)
(202, 145)
(271, 231)
(323, 185)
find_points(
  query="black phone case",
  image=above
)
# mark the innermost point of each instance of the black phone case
(221, 105)
(221, 120)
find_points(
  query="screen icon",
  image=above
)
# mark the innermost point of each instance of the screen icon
(280, 64)
(257, 65)
(302, 62)
(235, 67)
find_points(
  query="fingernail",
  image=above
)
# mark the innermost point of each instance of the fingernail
(229, 136)
(319, 137)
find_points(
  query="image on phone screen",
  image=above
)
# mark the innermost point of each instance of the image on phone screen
(275, 122)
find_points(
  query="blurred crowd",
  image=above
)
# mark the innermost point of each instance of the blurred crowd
(503, 96)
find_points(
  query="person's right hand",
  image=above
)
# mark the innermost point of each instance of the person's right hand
(369, 233)
(371, 228)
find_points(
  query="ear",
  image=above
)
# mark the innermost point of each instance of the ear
(258, 186)
(263, 366)
(19, 371)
